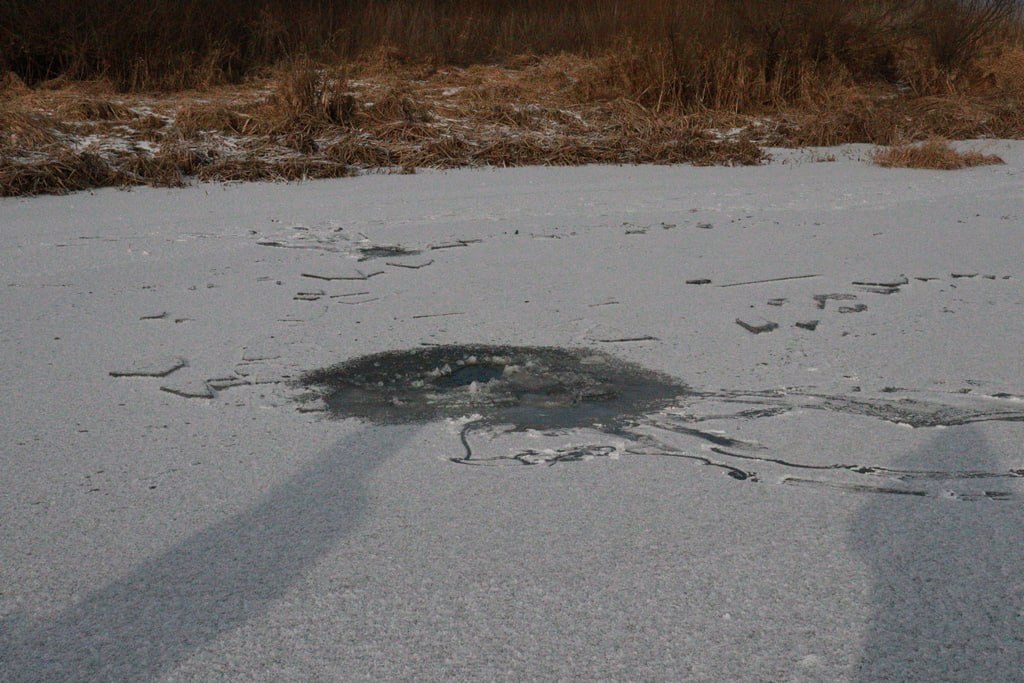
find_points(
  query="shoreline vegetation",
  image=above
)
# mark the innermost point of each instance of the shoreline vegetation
(100, 93)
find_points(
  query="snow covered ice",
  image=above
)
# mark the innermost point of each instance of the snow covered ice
(836, 498)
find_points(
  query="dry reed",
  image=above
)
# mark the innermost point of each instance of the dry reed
(719, 53)
(933, 154)
(331, 87)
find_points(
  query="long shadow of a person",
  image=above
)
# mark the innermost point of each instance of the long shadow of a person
(948, 593)
(151, 620)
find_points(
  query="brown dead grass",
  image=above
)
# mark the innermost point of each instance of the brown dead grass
(933, 154)
(1003, 71)
(713, 53)
(308, 121)
(11, 83)
(253, 167)
(195, 118)
(20, 128)
(92, 109)
(92, 93)
(65, 172)
(306, 99)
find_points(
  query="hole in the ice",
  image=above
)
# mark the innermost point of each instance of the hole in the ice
(528, 387)
(466, 375)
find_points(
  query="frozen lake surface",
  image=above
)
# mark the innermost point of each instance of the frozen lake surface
(665, 423)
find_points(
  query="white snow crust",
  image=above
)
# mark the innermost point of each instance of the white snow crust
(203, 523)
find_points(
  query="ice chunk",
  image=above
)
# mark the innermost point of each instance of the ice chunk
(155, 367)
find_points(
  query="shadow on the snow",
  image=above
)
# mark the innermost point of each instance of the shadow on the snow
(155, 618)
(948, 597)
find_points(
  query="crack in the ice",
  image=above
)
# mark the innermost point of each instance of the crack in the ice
(562, 395)
(902, 475)
(720, 442)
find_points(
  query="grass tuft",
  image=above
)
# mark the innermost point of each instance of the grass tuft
(307, 99)
(98, 110)
(67, 172)
(21, 129)
(933, 154)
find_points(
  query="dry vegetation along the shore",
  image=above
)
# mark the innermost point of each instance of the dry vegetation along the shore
(932, 154)
(112, 92)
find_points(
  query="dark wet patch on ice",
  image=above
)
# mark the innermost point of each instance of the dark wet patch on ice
(592, 405)
(529, 387)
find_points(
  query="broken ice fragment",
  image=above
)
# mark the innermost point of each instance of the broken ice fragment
(757, 328)
(189, 388)
(316, 405)
(894, 282)
(346, 274)
(879, 290)
(412, 265)
(218, 383)
(157, 367)
(261, 349)
(384, 251)
(822, 299)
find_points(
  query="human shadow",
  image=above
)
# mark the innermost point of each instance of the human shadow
(151, 620)
(948, 593)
